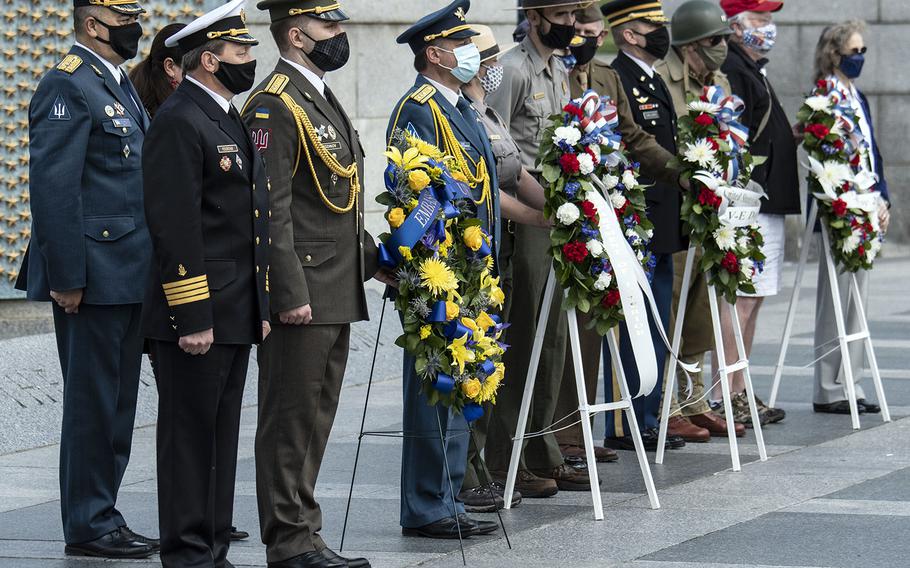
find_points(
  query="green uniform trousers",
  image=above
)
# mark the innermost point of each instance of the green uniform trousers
(301, 368)
(530, 269)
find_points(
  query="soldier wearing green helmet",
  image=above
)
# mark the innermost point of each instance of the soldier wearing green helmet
(699, 32)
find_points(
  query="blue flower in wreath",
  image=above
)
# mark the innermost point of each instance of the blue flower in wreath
(571, 188)
(589, 231)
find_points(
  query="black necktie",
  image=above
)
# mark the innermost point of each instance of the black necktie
(470, 116)
(128, 91)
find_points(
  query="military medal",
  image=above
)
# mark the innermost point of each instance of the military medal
(332, 134)
(239, 161)
(119, 108)
(225, 163)
(109, 110)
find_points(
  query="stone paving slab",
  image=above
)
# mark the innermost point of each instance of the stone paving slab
(801, 508)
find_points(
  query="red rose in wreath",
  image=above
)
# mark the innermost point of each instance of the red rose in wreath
(575, 251)
(611, 299)
(569, 163)
(730, 263)
(588, 209)
(839, 207)
(704, 120)
(818, 130)
(708, 198)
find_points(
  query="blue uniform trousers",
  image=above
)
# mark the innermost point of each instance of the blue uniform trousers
(100, 351)
(647, 408)
(426, 496)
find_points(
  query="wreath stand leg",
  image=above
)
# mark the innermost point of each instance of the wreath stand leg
(585, 410)
(724, 371)
(670, 378)
(854, 300)
(363, 433)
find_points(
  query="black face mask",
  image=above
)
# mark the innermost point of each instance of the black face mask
(330, 54)
(236, 77)
(124, 40)
(559, 36)
(658, 42)
(584, 53)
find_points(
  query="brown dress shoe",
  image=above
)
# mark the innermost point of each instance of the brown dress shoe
(601, 454)
(716, 425)
(567, 478)
(528, 484)
(679, 426)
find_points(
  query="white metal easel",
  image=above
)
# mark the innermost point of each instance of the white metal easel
(844, 339)
(585, 410)
(723, 368)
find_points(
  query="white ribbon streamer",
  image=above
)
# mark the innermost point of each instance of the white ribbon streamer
(634, 288)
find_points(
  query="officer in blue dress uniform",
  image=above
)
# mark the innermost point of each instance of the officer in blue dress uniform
(446, 58)
(207, 301)
(89, 255)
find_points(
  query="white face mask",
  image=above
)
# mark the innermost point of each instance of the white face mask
(491, 81)
(468, 62)
(760, 39)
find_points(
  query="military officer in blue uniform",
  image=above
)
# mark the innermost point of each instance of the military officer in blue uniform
(89, 256)
(207, 301)
(445, 59)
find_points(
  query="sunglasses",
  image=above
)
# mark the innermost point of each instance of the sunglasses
(857, 51)
(715, 40)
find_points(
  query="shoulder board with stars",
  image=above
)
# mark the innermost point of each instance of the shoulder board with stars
(69, 64)
(423, 94)
(277, 84)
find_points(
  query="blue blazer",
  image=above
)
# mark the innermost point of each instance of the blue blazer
(416, 117)
(85, 184)
(882, 185)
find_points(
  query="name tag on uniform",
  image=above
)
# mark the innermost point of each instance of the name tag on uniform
(495, 137)
(651, 114)
(228, 149)
(122, 122)
(538, 96)
(334, 146)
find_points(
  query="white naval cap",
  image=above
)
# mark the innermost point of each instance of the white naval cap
(227, 22)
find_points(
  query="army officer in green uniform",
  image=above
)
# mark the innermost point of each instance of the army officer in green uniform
(320, 257)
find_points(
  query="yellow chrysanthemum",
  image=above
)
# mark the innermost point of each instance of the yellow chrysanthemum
(405, 253)
(418, 179)
(471, 388)
(491, 385)
(460, 353)
(436, 277)
(473, 237)
(452, 311)
(424, 147)
(410, 160)
(426, 331)
(396, 217)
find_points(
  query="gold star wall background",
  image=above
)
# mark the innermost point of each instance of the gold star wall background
(35, 36)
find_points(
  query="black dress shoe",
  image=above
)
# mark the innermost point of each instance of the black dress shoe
(237, 534)
(114, 544)
(153, 542)
(476, 526)
(839, 407)
(446, 528)
(870, 407)
(312, 559)
(649, 440)
(331, 556)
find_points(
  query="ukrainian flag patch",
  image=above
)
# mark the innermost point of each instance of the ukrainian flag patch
(262, 113)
